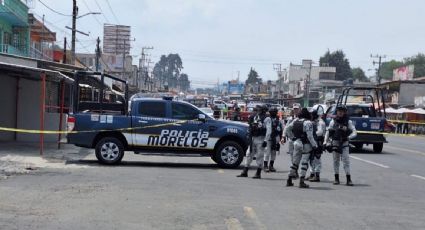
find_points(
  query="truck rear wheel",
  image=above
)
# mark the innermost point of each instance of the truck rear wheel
(229, 154)
(358, 146)
(109, 150)
(377, 148)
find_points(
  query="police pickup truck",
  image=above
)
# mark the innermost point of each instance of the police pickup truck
(369, 120)
(155, 125)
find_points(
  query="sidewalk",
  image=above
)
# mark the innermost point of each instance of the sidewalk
(23, 158)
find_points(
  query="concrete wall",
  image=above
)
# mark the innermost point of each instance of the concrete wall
(18, 61)
(7, 106)
(29, 113)
(408, 92)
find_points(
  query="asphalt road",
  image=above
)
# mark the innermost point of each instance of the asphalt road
(153, 192)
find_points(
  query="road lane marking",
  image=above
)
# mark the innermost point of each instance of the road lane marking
(417, 176)
(370, 162)
(233, 224)
(220, 171)
(404, 150)
(249, 212)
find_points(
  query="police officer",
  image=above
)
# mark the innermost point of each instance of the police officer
(337, 137)
(257, 130)
(319, 129)
(287, 136)
(273, 135)
(304, 143)
(237, 114)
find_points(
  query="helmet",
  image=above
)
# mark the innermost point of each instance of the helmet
(314, 115)
(305, 114)
(341, 108)
(296, 106)
(264, 108)
(273, 111)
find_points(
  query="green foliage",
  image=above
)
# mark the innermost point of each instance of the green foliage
(359, 74)
(388, 67)
(419, 62)
(253, 77)
(168, 70)
(337, 59)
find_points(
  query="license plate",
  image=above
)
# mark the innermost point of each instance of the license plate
(375, 125)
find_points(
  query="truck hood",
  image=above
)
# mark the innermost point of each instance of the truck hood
(234, 123)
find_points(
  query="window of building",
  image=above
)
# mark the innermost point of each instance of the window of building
(326, 76)
(152, 109)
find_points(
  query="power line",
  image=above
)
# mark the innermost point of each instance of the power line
(53, 10)
(88, 8)
(100, 8)
(113, 13)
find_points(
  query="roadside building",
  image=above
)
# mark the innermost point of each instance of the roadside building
(14, 28)
(42, 39)
(410, 93)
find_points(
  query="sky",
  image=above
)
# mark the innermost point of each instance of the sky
(221, 39)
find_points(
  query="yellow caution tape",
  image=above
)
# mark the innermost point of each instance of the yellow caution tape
(408, 122)
(387, 133)
(34, 131)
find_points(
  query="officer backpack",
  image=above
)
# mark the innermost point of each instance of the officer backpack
(298, 131)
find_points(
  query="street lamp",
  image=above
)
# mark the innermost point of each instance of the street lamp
(89, 13)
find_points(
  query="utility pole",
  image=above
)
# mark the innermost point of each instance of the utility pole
(74, 30)
(97, 62)
(379, 63)
(145, 73)
(278, 68)
(64, 50)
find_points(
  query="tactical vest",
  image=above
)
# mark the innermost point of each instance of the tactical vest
(298, 131)
(339, 134)
(258, 128)
(276, 128)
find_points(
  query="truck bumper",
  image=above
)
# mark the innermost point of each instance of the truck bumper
(368, 138)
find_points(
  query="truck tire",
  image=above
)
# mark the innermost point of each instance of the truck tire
(358, 146)
(377, 148)
(109, 150)
(229, 154)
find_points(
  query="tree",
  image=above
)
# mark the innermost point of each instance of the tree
(337, 59)
(183, 82)
(359, 74)
(419, 62)
(388, 67)
(168, 69)
(253, 77)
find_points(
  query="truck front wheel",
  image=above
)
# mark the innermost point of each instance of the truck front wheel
(377, 148)
(229, 154)
(109, 150)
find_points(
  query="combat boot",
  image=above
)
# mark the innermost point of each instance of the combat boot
(349, 182)
(302, 184)
(257, 174)
(296, 175)
(289, 182)
(316, 178)
(336, 179)
(271, 168)
(310, 178)
(244, 172)
(266, 167)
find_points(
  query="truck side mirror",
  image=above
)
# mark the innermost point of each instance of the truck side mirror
(202, 117)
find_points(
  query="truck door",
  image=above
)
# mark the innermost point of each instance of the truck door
(190, 132)
(148, 121)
